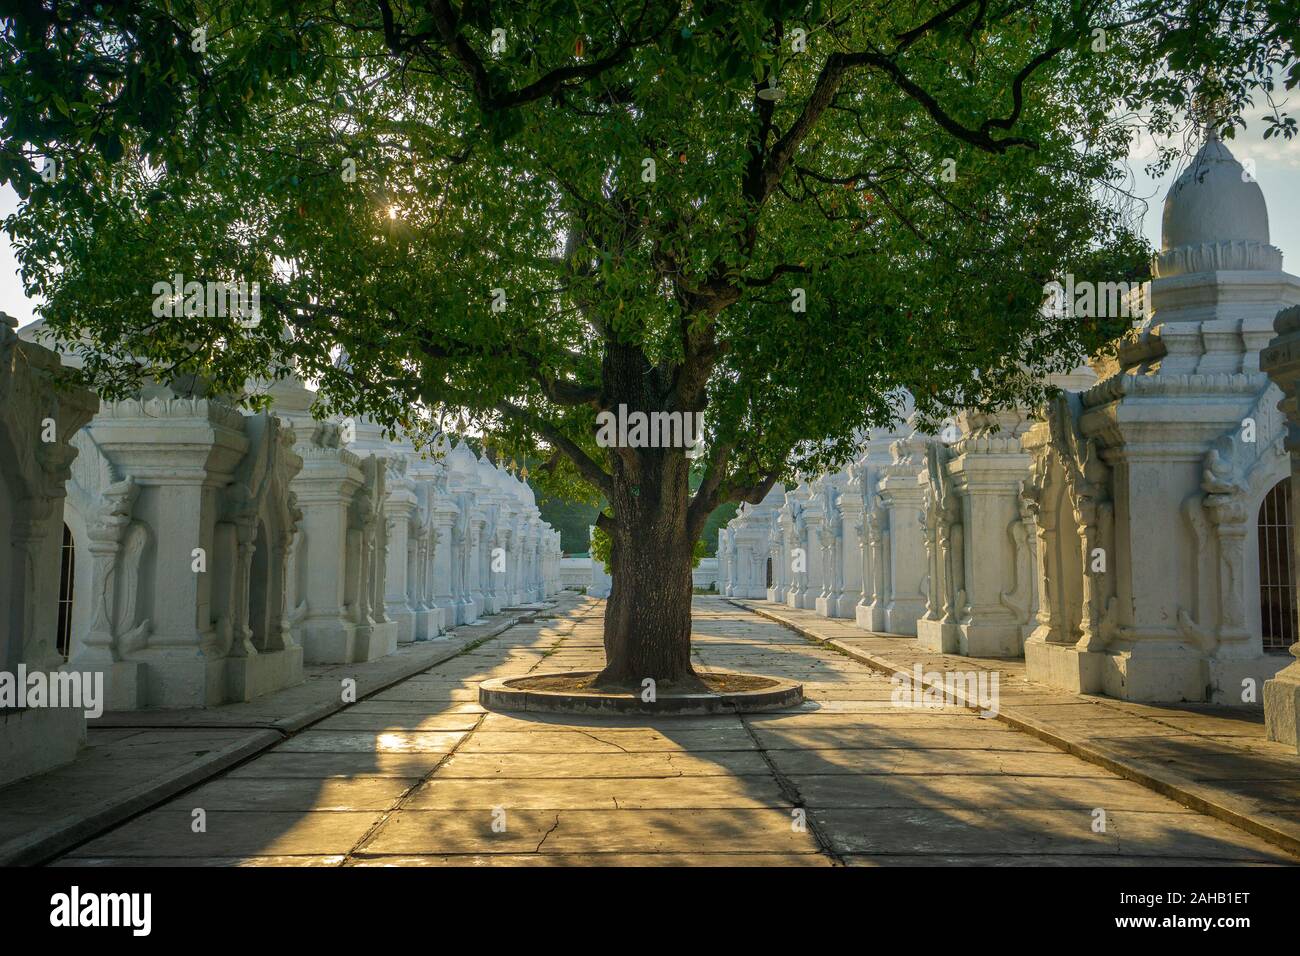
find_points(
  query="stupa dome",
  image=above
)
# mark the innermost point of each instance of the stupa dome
(1214, 201)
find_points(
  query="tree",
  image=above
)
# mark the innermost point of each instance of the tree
(775, 214)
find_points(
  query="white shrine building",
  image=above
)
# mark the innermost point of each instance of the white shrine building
(194, 553)
(1133, 538)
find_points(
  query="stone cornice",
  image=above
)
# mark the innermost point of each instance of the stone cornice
(1229, 256)
(1173, 386)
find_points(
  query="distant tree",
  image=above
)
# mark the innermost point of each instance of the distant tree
(776, 214)
(573, 519)
(717, 520)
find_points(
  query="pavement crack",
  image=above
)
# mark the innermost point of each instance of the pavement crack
(548, 833)
(791, 792)
(602, 740)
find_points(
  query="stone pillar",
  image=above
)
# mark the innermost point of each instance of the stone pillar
(36, 423)
(442, 548)
(402, 507)
(794, 533)
(868, 548)
(776, 555)
(1281, 360)
(903, 548)
(814, 518)
(987, 469)
(946, 602)
(728, 552)
(724, 565)
(850, 547)
(326, 490)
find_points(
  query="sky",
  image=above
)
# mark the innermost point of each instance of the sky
(1277, 169)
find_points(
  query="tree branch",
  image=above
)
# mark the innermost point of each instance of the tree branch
(588, 468)
(447, 26)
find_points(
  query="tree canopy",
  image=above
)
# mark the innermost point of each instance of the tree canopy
(782, 214)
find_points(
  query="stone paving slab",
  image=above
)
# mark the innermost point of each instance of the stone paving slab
(696, 859)
(847, 778)
(849, 738)
(365, 741)
(524, 765)
(419, 708)
(301, 793)
(760, 830)
(891, 721)
(234, 833)
(1212, 759)
(955, 791)
(541, 723)
(318, 766)
(1034, 832)
(136, 760)
(864, 761)
(1093, 860)
(410, 723)
(611, 740)
(632, 793)
(218, 861)
(103, 787)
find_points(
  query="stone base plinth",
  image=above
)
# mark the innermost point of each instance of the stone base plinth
(939, 636)
(375, 641)
(901, 617)
(1240, 682)
(870, 617)
(825, 606)
(990, 640)
(37, 739)
(178, 679)
(437, 623)
(125, 686)
(776, 595)
(330, 642)
(251, 677)
(428, 623)
(1168, 674)
(1164, 673)
(404, 618)
(1063, 666)
(1282, 706)
(446, 608)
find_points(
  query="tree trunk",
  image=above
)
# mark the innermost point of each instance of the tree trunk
(648, 613)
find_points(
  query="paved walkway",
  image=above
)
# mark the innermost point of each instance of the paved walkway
(1215, 759)
(419, 774)
(133, 760)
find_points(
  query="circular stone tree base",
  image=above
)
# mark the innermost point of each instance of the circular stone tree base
(572, 692)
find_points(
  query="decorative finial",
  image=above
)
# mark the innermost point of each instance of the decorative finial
(1209, 107)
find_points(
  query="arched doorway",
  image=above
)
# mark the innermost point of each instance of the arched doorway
(769, 573)
(67, 578)
(1277, 587)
